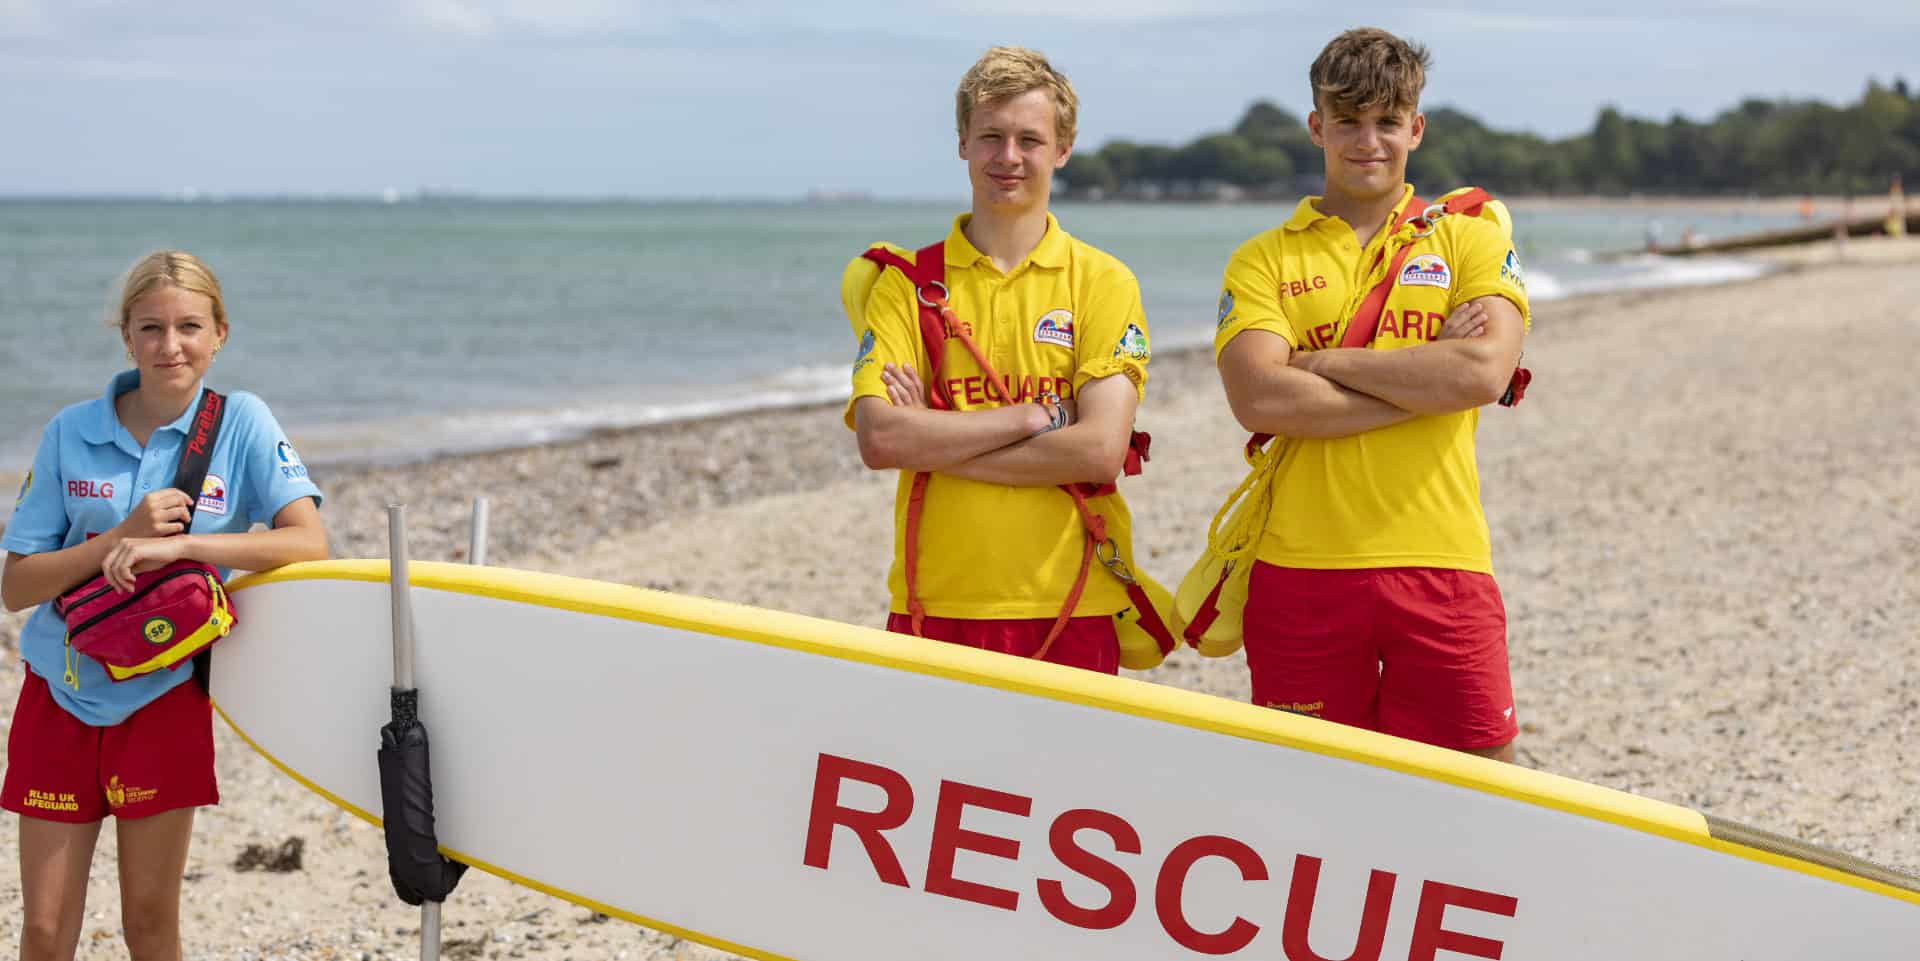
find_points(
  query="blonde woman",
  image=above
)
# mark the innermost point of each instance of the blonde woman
(98, 500)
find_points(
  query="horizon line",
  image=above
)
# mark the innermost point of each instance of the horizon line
(395, 197)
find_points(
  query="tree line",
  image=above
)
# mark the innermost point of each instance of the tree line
(1759, 146)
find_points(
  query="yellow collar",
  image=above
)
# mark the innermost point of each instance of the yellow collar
(1053, 251)
(1307, 212)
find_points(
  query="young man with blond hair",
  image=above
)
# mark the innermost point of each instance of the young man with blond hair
(994, 557)
(1373, 601)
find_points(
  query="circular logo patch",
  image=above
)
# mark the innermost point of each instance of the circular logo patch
(159, 630)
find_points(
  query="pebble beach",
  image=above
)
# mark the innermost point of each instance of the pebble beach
(1706, 525)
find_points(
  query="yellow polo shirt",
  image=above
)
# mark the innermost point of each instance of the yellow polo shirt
(1066, 315)
(1400, 496)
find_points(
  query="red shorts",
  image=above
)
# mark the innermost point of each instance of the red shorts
(1088, 642)
(159, 759)
(1416, 652)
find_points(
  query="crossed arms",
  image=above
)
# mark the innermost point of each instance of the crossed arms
(1344, 391)
(1014, 445)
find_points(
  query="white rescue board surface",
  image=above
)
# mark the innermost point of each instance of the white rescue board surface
(785, 787)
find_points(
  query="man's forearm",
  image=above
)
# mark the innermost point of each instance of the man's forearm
(1080, 453)
(1437, 378)
(1090, 450)
(919, 439)
(1296, 403)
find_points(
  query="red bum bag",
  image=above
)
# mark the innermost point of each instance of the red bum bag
(172, 613)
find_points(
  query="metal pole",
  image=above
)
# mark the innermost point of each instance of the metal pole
(476, 554)
(402, 599)
(477, 538)
(429, 931)
(403, 678)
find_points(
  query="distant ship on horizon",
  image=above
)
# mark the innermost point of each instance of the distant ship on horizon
(823, 196)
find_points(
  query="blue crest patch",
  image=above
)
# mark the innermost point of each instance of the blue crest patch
(290, 465)
(865, 354)
(1226, 308)
(1133, 344)
(1510, 270)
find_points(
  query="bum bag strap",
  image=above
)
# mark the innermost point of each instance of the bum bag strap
(195, 457)
(197, 454)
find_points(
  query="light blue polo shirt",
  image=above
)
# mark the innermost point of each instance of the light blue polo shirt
(87, 476)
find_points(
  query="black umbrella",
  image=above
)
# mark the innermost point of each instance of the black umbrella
(420, 875)
(414, 862)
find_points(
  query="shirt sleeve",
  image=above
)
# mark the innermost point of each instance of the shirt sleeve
(892, 336)
(1114, 326)
(1487, 266)
(1250, 298)
(274, 476)
(40, 523)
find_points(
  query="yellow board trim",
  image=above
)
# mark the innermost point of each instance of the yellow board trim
(1120, 695)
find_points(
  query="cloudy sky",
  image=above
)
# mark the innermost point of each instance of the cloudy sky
(744, 98)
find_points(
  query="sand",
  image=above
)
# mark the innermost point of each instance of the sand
(1706, 519)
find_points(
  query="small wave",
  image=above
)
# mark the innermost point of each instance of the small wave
(1638, 272)
(1542, 285)
(1652, 270)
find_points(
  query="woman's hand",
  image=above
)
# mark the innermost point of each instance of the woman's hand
(138, 555)
(158, 514)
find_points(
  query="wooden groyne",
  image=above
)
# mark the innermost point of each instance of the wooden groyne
(1860, 226)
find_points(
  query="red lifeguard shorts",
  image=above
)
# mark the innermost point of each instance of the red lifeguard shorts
(159, 759)
(1416, 652)
(1088, 642)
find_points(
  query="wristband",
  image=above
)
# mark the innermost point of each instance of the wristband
(1056, 411)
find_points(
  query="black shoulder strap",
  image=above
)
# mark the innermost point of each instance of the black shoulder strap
(197, 455)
